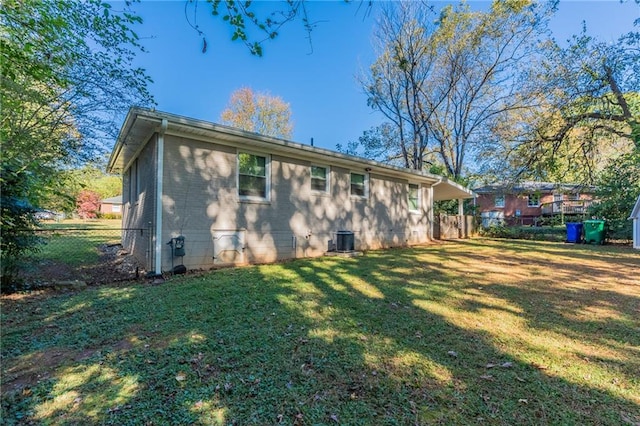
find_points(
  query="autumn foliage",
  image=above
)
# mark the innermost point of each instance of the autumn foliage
(258, 112)
(88, 204)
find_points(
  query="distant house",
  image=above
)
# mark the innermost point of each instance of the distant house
(111, 205)
(218, 195)
(635, 216)
(524, 203)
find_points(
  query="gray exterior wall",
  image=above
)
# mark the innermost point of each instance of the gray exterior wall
(138, 205)
(201, 202)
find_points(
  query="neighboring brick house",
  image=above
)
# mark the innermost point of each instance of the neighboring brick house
(241, 197)
(111, 206)
(525, 203)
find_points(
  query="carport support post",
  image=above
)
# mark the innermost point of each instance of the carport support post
(462, 228)
(431, 215)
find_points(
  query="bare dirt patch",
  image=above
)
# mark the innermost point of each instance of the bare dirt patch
(114, 265)
(30, 370)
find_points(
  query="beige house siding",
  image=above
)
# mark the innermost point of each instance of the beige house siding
(138, 209)
(197, 197)
(201, 202)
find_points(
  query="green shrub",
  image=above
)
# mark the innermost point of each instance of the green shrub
(497, 231)
(109, 216)
(538, 233)
(619, 229)
(17, 225)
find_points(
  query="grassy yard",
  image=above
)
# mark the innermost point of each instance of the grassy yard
(475, 332)
(75, 242)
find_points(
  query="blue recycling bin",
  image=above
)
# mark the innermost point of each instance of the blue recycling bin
(574, 232)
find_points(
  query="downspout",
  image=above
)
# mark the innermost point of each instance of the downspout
(159, 205)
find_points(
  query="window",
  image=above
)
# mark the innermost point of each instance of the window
(534, 200)
(253, 176)
(574, 196)
(499, 201)
(115, 208)
(359, 184)
(134, 182)
(414, 197)
(319, 178)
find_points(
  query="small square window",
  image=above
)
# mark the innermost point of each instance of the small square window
(359, 184)
(499, 201)
(414, 197)
(533, 200)
(319, 179)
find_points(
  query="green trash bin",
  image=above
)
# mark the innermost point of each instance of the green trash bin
(594, 231)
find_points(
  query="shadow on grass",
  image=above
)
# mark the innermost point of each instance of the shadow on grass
(451, 334)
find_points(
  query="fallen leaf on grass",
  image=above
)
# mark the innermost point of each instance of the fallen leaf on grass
(523, 401)
(453, 354)
(487, 377)
(490, 365)
(506, 364)
(181, 376)
(520, 379)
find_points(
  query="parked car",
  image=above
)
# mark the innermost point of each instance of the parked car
(42, 214)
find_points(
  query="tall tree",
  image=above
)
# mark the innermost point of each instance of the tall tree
(590, 108)
(445, 81)
(399, 77)
(71, 78)
(258, 112)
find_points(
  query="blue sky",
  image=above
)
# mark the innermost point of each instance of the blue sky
(319, 82)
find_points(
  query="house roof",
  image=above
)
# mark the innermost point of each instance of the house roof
(531, 186)
(141, 123)
(635, 213)
(112, 200)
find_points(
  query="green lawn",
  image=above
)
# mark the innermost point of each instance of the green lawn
(475, 332)
(76, 242)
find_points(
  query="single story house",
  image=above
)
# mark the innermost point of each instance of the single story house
(112, 205)
(635, 216)
(523, 203)
(240, 197)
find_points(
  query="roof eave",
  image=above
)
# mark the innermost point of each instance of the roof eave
(151, 119)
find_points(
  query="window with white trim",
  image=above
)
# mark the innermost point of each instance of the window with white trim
(499, 201)
(320, 179)
(533, 200)
(253, 176)
(413, 197)
(359, 184)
